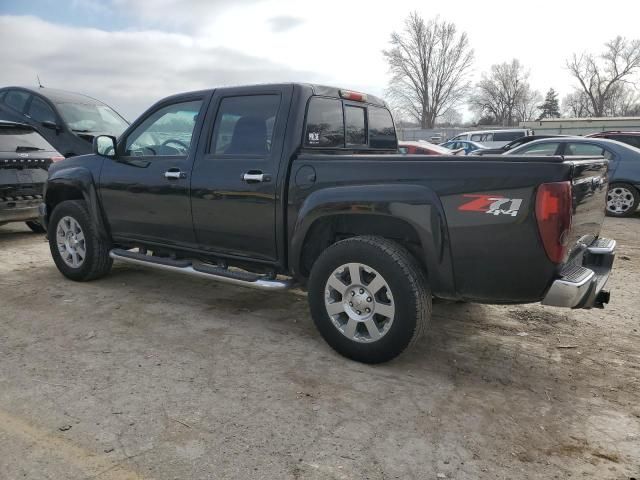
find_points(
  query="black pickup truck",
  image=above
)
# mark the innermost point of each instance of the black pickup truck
(272, 186)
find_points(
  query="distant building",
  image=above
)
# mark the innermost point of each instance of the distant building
(582, 126)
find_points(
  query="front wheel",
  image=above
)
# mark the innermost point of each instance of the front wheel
(622, 200)
(369, 298)
(77, 249)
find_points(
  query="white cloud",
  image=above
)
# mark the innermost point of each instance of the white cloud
(283, 23)
(128, 70)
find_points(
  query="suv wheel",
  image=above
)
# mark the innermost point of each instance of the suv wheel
(622, 200)
(35, 226)
(77, 250)
(369, 298)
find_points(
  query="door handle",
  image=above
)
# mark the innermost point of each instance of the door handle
(256, 177)
(174, 174)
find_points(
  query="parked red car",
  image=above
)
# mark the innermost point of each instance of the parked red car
(423, 148)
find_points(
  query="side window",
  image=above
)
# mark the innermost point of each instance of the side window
(16, 99)
(167, 131)
(382, 133)
(583, 149)
(244, 125)
(325, 124)
(634, 141)
(40, 111)
(355, 130)
(540, 149)
(478, 137)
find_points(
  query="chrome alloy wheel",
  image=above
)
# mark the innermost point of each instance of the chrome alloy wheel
(619, 200)
(71, 242)
(359, 302)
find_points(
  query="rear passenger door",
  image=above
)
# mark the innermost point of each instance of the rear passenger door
(234, 188)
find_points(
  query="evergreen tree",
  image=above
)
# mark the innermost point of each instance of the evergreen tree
(551, 107)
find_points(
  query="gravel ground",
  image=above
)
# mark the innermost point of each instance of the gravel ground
(149, 375)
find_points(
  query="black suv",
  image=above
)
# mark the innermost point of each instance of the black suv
(24, 159)
(630, 138)
(67, 120)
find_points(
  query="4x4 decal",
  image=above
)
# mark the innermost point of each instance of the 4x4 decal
(493, 204)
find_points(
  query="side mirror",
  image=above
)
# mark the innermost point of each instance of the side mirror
(104, 145)
(51, 125)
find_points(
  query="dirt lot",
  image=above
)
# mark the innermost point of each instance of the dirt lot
(148, 375)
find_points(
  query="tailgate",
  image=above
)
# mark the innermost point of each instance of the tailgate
(589, 188)
(21, 177)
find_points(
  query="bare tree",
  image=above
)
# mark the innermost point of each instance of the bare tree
(429, 63)
(504, 94)
(528, 104)
(598, 77)
(624, 101)
(576, 105)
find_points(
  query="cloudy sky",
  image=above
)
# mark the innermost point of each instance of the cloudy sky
(130, 53)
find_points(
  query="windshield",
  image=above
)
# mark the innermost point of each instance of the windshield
(17, 139)
(84, 117)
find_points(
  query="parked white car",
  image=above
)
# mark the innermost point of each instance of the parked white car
(494, 138)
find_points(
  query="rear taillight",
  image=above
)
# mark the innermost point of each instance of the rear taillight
(553, 213)
(56, 159)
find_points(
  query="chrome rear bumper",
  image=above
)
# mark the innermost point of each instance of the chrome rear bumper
(581, 286)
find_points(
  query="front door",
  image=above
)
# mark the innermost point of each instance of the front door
(234, 180)
(145, 189)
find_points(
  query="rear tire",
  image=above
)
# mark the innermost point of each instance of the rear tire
(35, 226)
(375, 316)
(622, 200)
(77, 250)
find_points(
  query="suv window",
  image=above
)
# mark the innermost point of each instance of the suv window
(633, 140)
(482, 137)
(40, 111)
(244, 125)
(167, 131)
(382, 133)
(541, 149)
(13, 137)
(325, 124)
(355, 131)
(507, 136)
(16, 99)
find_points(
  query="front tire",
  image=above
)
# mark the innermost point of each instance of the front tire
(622, 200)
(77, 249)
(369, 298)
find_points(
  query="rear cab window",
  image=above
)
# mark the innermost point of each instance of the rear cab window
(334, 123)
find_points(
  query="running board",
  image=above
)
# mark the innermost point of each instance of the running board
(202, 270)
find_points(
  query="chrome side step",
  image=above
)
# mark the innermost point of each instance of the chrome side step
(202, 270)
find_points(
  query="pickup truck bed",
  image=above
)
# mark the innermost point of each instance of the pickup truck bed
(267, 186)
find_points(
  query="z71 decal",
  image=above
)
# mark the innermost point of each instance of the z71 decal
(493, 204)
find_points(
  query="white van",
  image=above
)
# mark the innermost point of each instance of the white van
(494, 138)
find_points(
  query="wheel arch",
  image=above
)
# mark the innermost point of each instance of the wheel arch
(412, 215)
(75, 184)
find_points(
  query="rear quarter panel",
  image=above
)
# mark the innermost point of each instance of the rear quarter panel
(486, 257)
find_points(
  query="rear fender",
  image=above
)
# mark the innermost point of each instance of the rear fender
(417, 205)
